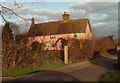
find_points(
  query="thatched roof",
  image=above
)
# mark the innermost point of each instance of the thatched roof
(59, 27)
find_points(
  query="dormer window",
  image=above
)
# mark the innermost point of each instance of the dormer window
(52, 37)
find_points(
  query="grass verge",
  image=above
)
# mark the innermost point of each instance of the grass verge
(113, 75)
(18, 71)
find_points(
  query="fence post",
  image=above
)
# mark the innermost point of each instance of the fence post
(66, 54)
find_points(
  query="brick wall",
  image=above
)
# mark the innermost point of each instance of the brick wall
(49, 41)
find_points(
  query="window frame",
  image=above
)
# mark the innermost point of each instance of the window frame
(52, 36)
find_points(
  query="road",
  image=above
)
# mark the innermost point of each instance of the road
(92, 70)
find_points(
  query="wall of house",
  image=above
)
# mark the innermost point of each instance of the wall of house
(88, 33)
(49, 41)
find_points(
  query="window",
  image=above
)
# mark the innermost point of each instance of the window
(75, 35)
(52, 37)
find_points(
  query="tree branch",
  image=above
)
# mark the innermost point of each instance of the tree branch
(3, 17)
(16, 4)
(11, 11)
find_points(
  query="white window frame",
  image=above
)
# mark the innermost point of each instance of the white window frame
(52, 36)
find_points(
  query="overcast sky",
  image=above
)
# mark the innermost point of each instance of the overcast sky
(103, 16)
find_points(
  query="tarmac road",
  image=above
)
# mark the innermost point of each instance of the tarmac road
(90, 71)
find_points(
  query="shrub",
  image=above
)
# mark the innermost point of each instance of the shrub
(104, 44)
(36, 46)
(87, 48)
(74, 50)
(79, 49)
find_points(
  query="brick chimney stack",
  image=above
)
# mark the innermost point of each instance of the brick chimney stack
(32, 21)
(65, 16)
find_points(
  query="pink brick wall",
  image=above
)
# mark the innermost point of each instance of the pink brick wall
(88, 32)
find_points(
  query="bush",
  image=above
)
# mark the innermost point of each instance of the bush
(104, 44)
(87, 48)
(36, 46)
(79, 49)
(8, 47)
(74, 50)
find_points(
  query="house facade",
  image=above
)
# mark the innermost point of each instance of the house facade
(50, 33)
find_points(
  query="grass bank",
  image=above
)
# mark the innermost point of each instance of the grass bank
(18, 71)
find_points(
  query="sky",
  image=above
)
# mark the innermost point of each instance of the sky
(103, 16)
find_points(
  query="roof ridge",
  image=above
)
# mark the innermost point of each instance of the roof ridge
(63, 20)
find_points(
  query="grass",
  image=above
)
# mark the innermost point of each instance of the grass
(113, 75)
(18, 71)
